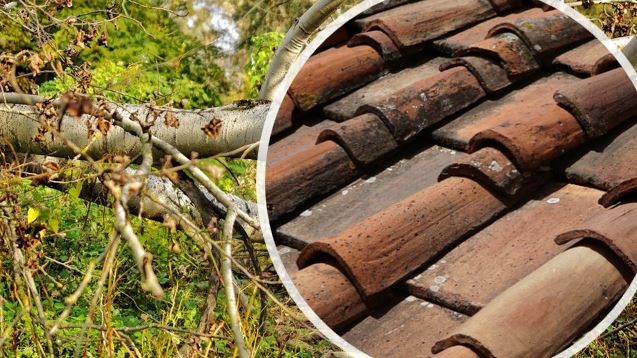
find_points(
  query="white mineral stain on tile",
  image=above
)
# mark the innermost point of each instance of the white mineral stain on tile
(344, 192)
(418, 277)
(284, 250)
(432, 267)
(427, 304)
(439, 280)
(443, 261)
(306, 213)
(553, 200)
(495, 166)
(434, 288)
(370, 180)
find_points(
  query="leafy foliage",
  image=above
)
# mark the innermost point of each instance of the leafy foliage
(262, 49)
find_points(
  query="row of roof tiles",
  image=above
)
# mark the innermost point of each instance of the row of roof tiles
(424, 224)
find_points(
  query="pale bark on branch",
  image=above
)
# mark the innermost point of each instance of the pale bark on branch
(238, 125)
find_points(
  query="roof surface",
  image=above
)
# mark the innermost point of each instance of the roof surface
(458, 177)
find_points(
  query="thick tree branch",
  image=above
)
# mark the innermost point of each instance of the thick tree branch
(234, 126)
(294, 42)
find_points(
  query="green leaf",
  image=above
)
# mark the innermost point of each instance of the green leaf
(76, 189)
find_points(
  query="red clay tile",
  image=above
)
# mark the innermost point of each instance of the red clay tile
(491, 168)
(457, 352)
(545, 310)
(339, 37)
(413, 24)
(346, 107)
(408, 329)
(601, 102)
(330, 295)
(386, 247)
(384, 5)
(510, 50)
(471, 275)
(426, 102)
(491, 76)
(334, 72)
(534, 140)
(464, 39)
(546, 36)
(609, 162)
(619, 192)
(283, 119)
(366, 197)
(589, 59)
(502, 6)
(308, 174)
(521, 103)
(301, 140)
(365, 138)
(615, 228)
(378, 40)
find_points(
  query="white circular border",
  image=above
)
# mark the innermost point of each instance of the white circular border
(263, 153)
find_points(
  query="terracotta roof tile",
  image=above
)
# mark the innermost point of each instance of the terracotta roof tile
(367, 210)
(464, 39)
(386, 247)
(347, 106)
(543, 134)
(493, 169)
(416, 23)
(288, 185)
(365, 138)
(330, 294)
(489, 114)
(611, 161)
(615, 228)
(622, 191)
(546, 36)
(367, 196)
(378, 40)
(602, 102)
(334, 72)
(302, 139)
(510, 50)
(283, 119)
(589, 59)
(403, 330)
(425, 102)
(471, 275)
(582, 276)
(491, 76)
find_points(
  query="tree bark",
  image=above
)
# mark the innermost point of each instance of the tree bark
(237, 125)
(294, 42)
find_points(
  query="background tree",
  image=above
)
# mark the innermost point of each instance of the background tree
(86, 279)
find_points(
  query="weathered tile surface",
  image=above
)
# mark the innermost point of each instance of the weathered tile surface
(518, 104)
(347, 106)
(416, 23)
(302, 139)
(589, 59)
(464, 39)
(615, 228)
(334, 72)
(545, 310)
(408, 329)
(608, 162)
(600, 103)
(388, 246)
(498, 256)
(366, 197)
